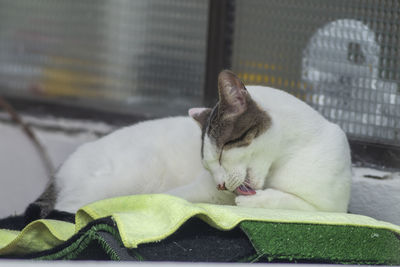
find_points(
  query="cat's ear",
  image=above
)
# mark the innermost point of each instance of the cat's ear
(233, 95)
(200, 115)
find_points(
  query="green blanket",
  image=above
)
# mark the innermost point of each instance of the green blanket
(274, 234)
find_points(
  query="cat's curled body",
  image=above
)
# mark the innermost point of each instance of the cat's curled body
(149, 157)
(259, 147)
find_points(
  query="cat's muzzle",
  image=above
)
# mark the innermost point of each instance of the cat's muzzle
(243, 189)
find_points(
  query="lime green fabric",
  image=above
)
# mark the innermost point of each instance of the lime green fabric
(7, 236)
(146, 218)
(37, 236)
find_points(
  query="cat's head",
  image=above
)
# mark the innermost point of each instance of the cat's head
(229, 134)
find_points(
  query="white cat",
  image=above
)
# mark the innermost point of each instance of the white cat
(259, 147)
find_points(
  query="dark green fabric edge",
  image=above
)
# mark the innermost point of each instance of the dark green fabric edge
(322, 243)
(73, 250)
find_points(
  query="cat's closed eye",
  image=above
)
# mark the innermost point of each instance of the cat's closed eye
(243, 140)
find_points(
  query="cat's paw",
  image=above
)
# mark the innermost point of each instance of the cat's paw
(247, 201)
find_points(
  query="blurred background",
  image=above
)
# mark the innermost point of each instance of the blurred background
(76, 70)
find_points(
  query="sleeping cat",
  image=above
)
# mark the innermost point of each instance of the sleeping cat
(258, 147)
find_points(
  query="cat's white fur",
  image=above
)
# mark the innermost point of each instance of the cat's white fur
(301, 162)
(149, 157)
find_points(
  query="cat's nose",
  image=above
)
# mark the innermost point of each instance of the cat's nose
(221, 186)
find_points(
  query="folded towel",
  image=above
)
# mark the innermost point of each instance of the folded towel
(275, 234)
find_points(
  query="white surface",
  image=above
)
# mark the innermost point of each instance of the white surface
(377, 198)
(18, 159)
(23, 176)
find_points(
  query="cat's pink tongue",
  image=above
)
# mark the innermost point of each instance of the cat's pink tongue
(245, 190)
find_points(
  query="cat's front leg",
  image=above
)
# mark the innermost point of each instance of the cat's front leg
(203, 190)
(274, 199)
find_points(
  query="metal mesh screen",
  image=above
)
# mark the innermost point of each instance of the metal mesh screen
(342, 57)
(111, 52)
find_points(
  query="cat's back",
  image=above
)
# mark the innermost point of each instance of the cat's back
(148, 148)
(294, 121)
(163, 136)
(171, 130)
(290, 113)
(148, 157)
(279, 101)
